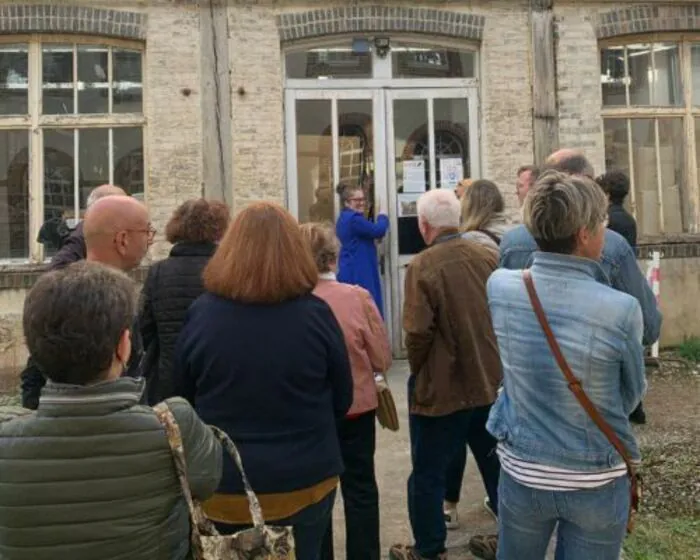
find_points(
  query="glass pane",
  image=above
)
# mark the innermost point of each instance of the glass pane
(127, 87)
(645, 176)
(432, 62)
(93, 82)
(93, 159)
(666, 77)
(314, 160)
(14, 93)
(329, 62)
(695, 61)
(355, 145)
(59, 187)
(411, 168)
(639, 65)
(14, 194)
(57, 79)
(451, 141)
(128, 160)
(612, 76)
(674, 187)
(616, 145)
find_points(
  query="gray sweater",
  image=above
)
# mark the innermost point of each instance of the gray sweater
(90, 476)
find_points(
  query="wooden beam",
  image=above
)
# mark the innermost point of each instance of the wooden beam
(545, 117)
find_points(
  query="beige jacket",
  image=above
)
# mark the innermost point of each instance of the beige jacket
(365, 337)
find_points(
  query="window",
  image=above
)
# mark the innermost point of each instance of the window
(651, 112)
(71, 119)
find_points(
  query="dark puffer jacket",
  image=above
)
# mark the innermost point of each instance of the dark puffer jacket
(172, 285)
(90, 476)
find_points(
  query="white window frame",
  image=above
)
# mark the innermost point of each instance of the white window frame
(686, 111)
(35, 123)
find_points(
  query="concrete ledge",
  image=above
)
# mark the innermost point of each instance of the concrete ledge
(647, 19)
(23, 276)
(363, 19)
(38, 18)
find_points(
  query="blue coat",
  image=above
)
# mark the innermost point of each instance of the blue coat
(358, 262)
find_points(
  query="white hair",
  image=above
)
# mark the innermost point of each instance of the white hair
(439, 208)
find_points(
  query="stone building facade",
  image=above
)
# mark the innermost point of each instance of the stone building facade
(267, 99)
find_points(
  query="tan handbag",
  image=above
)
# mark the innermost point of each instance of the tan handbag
(261, 542)
(386, 411)
(590, 408)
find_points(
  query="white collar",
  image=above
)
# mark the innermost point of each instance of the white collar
(327, 276)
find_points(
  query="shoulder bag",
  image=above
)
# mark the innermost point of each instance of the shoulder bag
(261, 542)
(590, 408)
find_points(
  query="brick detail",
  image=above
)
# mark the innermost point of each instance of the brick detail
(647, 19)
(364, 19)
(23, 277)
(670, 250)
(38, 18)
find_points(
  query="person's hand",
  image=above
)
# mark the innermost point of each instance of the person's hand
(380, 382)
(381, 206)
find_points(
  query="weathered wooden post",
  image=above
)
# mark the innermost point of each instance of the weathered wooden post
(545, 119)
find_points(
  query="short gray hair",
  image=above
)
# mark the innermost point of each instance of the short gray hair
(73, 319)
(558, 206)
(439, 208)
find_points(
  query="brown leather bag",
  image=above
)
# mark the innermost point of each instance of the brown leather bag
(586, 403)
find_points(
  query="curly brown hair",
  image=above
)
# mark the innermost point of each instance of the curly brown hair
(198, 221)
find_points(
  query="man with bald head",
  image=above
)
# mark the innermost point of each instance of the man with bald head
(618, 264)
(117, 232)
(73, 248)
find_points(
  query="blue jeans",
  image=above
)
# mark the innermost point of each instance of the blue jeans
(309, 527)
(590, 524)
(434, 441)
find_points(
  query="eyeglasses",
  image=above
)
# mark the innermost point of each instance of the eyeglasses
(358, 200)
(151, 231)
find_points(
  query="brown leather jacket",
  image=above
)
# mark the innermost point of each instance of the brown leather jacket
(451, 345)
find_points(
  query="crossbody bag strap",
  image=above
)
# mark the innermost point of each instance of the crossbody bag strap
(573, 381)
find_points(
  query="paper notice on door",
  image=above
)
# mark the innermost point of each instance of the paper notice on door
(408, 205)
(414, 176)
(451, 172)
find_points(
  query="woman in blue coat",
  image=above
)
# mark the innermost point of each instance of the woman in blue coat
(358, 263)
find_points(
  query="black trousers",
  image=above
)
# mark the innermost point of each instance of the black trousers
(359, 487)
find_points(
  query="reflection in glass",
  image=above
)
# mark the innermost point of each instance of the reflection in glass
(413, 61)
(14, 194)
(674, 191)
(13, 80)
(328, 62)
(640, 72)
(667, 89)
(612, 76)
(59, 186)
(354, 144)
(93, 159)
(127, 85)
(57, 79)
(616, 145)
(645, 175)
(695, 68)
(451, 141)
(411, 168)
(128, 159)
(93, 82)
(314, 160)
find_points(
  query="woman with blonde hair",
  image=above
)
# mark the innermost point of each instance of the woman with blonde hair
(368, 347)
(483, 219)
(264, 359)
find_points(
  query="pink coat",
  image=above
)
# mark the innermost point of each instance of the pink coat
(365, 337)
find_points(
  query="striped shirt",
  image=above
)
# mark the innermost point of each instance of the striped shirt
(543, 477)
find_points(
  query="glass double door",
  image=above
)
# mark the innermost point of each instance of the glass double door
(396, 144)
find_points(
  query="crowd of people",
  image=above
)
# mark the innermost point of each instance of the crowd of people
(273, 332)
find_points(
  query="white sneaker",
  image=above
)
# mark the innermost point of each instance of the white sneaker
(451, 519)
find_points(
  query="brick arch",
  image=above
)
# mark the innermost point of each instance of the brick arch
(647, 19)
(43, 18)
(384, 19)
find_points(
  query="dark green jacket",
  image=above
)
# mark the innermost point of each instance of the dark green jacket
(89, 476)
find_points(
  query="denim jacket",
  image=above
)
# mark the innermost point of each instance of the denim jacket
(618, 268)
(599, 330)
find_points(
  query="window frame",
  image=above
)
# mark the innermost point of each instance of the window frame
(35, 122)
(686, 111)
